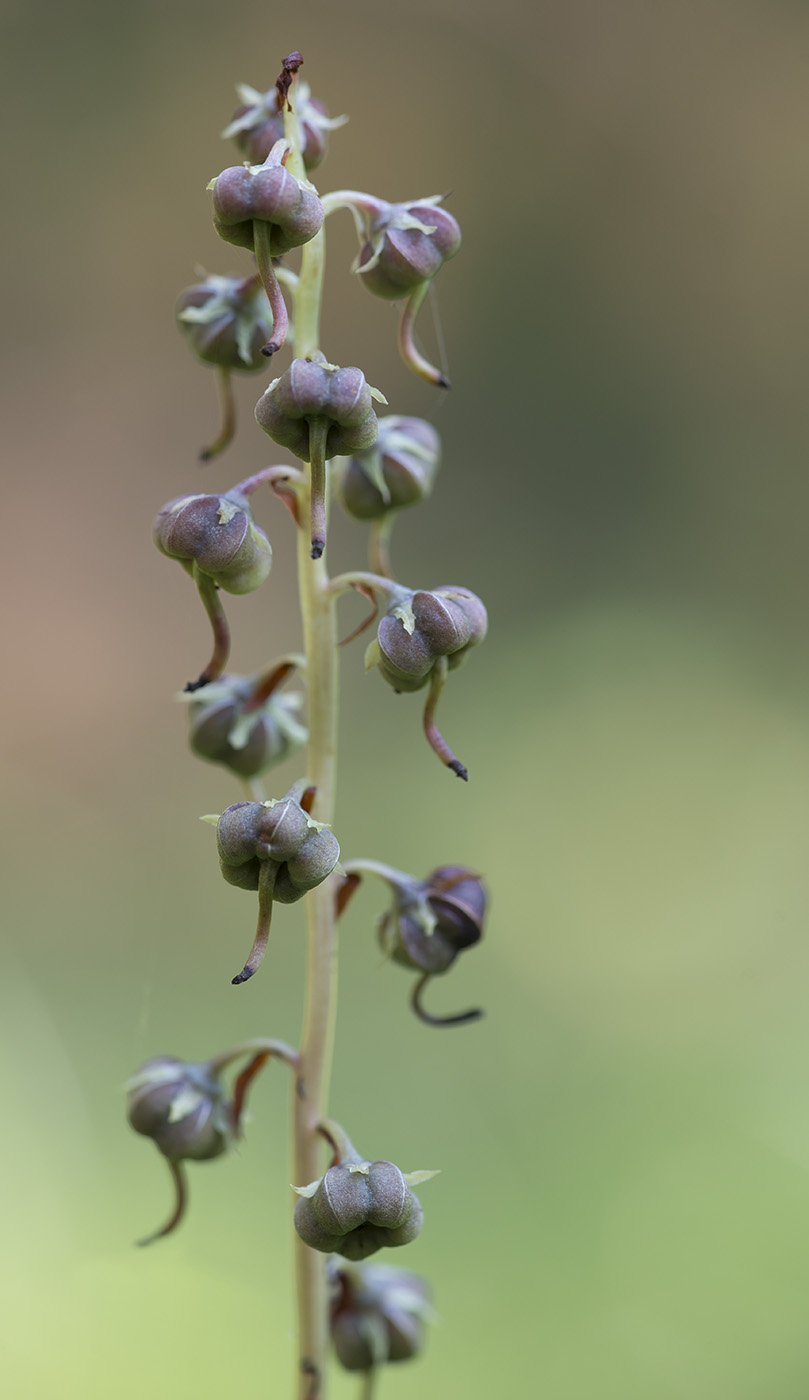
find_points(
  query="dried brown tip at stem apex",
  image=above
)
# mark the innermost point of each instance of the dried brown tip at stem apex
(430, 1020)
(283, 82)
(180, 1203)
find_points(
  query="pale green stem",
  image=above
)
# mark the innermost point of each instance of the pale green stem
(249, 1047)
(379, 545)
(368, 1384)
(318, 614)
(309, 291)
(393, 877)
(343, 582)
(268, 475)
(353, 199)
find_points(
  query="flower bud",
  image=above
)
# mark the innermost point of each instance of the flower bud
(377, 1314)
(399, 470)
(412, 636)
(252, 833)
(259, 122)
(219, 536)
(313, 390)
(357, 1208)
(226, 321)
(181, 1107)
(434, 920)
(268, 194)
(226, 729)
(406, 245)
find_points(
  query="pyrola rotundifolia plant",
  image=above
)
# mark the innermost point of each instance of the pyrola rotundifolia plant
(282, 848)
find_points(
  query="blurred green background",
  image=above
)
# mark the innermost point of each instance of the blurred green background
(623, 1208)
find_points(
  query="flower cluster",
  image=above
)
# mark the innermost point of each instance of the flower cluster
(283, 849)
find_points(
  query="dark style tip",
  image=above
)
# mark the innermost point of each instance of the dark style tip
(318, 547)
(443, 382)
(459, 769)
(191, 686)
(461, 1019)
(243, 976)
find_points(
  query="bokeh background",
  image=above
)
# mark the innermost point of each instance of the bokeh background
(623, 1208)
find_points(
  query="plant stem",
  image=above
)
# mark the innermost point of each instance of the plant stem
(227, 415)
(318, 612)
(379, 545)
(320, 645)
(248, 1047)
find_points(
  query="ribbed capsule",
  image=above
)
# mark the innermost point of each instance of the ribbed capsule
(397, 471)
(251, 833)
(434, 920)
(267, 194)
(377, 1314)
(224, 728)
(445, 621)
(406, 246)
(181, 1107)
(357, 1208)
(312, 390)
(226, 321)
(219, 536)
